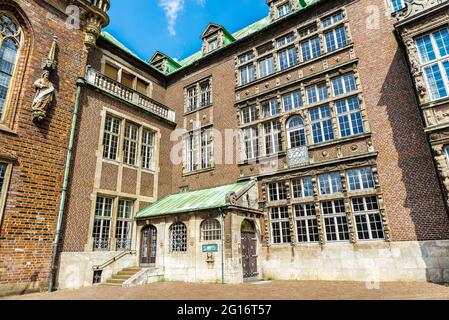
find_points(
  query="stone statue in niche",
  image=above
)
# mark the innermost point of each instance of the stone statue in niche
(44, 97)
(44, 87)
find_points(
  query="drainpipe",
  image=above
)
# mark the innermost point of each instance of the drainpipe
(79, 83)
(222, 246)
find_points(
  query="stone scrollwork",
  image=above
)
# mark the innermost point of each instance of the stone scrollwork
(413, 7)
(415, 66)
(44, 87)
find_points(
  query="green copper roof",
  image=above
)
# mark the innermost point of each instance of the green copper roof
(173, 67)
(212, 198)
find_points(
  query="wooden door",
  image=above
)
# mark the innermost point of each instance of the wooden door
(148, 246)
(249, 254)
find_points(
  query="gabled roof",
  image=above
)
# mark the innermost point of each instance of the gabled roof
(199, 200)
(213, 27)
(160, 55)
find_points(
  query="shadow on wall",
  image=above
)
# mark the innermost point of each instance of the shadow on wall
(428, 218)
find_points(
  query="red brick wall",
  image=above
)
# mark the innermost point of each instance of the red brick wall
(29, 220)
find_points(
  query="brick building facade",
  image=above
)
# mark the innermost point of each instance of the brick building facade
(35, 129)
(290, 149)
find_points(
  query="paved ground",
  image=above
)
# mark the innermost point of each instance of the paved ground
(290, 290)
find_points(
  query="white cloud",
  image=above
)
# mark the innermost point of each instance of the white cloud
(172, 8)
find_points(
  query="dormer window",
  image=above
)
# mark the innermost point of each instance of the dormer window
(284, 9)
(213, 45)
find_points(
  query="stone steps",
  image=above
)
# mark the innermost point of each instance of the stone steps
(122, 276)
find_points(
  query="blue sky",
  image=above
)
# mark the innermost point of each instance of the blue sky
(175, 26)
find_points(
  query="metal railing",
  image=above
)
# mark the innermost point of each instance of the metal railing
(112, 260)
(99, 80)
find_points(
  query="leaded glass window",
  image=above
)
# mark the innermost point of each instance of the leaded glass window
(306, 223)
(111, 137)
(211, 230)
(10, 39)
(280, 225)
(335, 220)
(360, 179)
(178, 237)
(102, 223)
(124, 224)
(368, 220)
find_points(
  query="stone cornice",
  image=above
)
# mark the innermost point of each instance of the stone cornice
(415, 9)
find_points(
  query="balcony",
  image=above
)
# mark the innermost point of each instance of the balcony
(118, 90)
(297, 157)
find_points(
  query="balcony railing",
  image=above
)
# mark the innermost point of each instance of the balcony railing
(298, 156)
(117, 89)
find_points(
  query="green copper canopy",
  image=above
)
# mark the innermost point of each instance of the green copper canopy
(212, 198)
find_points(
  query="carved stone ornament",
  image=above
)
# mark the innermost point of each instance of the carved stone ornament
(415, 66)
(413, 7)
(44, 87)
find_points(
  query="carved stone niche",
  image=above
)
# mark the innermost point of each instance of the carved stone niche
(437, 115)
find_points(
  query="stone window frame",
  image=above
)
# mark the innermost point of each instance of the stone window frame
(366, 213)
(309, 221)
(5, 187)
(327, 76)
(196, 136)
(14, 98)
(437, 61)
(123, 66)
(184, 233)
(210, 230)
(283, 225)
(317, 199)
(338, 215)
(124, 244)
(198, 95)
(120, 153)
(320, 30)
(291, 131)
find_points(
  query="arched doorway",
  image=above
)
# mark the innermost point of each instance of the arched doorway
(249, 249)
(148, 246)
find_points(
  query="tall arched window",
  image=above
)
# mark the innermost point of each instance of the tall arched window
(211, 230)
(178, 237)
(296, 133)
(10, 37)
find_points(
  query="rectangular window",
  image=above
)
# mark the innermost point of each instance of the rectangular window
(111, 137)
(246, 57)
(199, 150)
(332, 19)
(330, 183)
(335, 220)
(205, 93)
(272, 131)
(311, 49)
(277, 191)
(148, 138)
(3, 184)
(192, 96)
(266, 67)
(284, 9)
(270, 108)
(434, 54)
(213, 45)
(192, 149)
(368, 220)
(142, 87)
(288, 58)
(344, 84)
(102, 223)
(251, 142)
(317, 93)
(280, 225)
(308, 30)
(130, 144)
(321, 122)
(111, 72)
(247, 74)
(285, 40)
(206, 149)
(306, 223)
(360, 179)
(349, 117)
(397, 5)
(249, 114)
(128, 80)
(302, 188)
(124, 224)
(292, 101)
(335, 38)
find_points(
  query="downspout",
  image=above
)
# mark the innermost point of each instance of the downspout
(51, 285)
(222, 245)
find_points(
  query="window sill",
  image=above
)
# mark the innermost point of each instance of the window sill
(7, 129)
(198, 109)
(192, 173)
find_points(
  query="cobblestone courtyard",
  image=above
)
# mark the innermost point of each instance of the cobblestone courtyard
(289, 290)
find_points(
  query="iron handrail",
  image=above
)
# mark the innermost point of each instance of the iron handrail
(114, 259)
